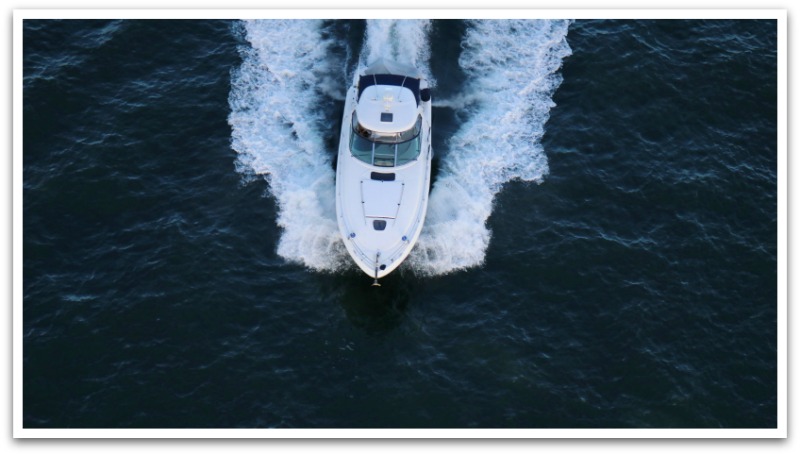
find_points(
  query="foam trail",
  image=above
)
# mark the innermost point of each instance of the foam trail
(277, 128)
(404, 41)
(277, 121)
(514, 64)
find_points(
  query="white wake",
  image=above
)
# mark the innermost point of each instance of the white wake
(404, 41)
(278, 127)
(277, 131)
(512, 72)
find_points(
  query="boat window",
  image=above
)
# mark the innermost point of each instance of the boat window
(385, 149)
(361, 148)
(384, 154)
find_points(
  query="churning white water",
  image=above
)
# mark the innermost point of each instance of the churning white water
(277, 131)
(278, 128)
(511, 68)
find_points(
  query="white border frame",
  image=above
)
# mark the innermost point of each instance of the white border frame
(782, 399)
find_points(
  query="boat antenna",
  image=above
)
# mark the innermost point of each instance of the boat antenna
(402, 84)
(375, 80)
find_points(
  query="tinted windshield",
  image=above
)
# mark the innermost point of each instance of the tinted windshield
(385, 149)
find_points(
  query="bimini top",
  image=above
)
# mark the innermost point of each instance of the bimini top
(383, 72)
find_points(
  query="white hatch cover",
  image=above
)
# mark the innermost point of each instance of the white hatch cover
(381, 199)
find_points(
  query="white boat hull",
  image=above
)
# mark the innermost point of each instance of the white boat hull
(381, 208)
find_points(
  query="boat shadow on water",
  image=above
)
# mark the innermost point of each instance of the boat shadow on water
(377, 310)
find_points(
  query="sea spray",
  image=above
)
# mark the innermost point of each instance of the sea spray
(511, 68)
(277, 120)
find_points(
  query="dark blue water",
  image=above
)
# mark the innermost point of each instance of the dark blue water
(634, 286)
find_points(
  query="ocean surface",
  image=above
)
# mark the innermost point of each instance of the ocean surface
(600, 249)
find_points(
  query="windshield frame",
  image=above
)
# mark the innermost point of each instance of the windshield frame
(386, 138)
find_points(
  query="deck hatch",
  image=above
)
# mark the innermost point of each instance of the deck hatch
(381, 199)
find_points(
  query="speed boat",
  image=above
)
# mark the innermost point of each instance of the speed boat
(383, 167)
